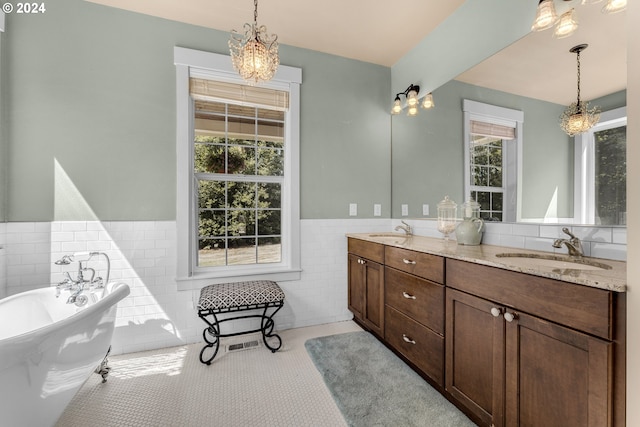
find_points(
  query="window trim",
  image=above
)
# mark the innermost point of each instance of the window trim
(195, 63)
(479, 111)
(584, 197)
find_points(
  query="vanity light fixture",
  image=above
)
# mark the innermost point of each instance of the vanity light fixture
(567, 23)
(411, 95)
(254, 54)
(578, 117)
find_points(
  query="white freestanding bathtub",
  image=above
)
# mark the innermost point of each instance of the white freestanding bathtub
(48, 349)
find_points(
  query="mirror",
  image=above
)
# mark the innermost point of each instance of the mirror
(536, 75)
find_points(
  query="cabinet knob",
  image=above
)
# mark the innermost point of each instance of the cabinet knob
(510, 317)
(407, 339)
(408, 296)
(408, 261)
(361, 261)
(495, 312)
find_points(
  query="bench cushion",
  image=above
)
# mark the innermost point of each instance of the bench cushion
(228, 295)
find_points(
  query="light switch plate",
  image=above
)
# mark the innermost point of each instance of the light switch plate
(405, 210)
(353, 209)
(377, 209)
(425, 210)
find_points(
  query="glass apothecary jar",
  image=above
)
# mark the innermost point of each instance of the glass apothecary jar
(447, 210)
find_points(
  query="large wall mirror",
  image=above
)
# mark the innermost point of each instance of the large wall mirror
(536, 75)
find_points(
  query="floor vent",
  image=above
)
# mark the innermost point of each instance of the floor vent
(243, 346)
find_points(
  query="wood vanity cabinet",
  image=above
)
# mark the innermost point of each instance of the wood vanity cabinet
(414, 310)
(366, 284)
(524, 350)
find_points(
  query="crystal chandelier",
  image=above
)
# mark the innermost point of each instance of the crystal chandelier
(254, 54)
(578, 117)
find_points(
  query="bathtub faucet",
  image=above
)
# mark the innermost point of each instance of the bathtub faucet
(80, 284)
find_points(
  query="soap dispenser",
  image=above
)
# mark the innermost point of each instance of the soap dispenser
(469, 231)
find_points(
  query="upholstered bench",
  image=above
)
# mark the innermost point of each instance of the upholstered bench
(239, 297)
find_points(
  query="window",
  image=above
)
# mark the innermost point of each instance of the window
(492, 136)
(487, 180)
(237, 208)
(601, 171)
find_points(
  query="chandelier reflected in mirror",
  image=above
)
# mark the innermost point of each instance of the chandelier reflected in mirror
(578, 117)
(254, 54)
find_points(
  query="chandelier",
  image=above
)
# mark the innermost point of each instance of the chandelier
(254, 54)
(578, 117)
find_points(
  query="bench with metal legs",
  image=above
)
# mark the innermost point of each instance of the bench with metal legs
(239, 297)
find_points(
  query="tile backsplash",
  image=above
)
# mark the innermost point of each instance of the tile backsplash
(156, 314)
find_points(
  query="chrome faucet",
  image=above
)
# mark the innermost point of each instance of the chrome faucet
(573, 245)
(80, 284)
(406, 228)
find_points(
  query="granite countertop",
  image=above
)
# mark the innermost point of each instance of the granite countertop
(555, 266)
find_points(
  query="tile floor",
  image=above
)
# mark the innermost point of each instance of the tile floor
(252, 387)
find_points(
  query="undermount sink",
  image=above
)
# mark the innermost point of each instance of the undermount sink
(390, 237)
(554, 262)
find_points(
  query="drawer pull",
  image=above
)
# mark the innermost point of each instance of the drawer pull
(408, 296)
(361, 261)
(495, 312)
(408, 261)
(407, 339)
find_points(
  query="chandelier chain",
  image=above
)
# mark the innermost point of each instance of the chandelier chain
(255, 12)
(578, 57)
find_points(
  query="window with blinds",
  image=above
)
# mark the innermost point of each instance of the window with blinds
(239, 168)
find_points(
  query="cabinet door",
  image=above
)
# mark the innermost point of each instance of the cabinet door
(474, 372)
(357, 280)
(366, 292)
(555, 376)
(374, 299)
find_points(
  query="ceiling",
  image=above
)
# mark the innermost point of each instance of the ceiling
(349, 28)
(540, 66)
(537, 66)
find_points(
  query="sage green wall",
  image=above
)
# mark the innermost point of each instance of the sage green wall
(428, 152)
(90, 104)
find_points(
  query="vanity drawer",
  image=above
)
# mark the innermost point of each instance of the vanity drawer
(419, 344)
(424, 265)
(420, 299)
(368, 250)
(576, 306)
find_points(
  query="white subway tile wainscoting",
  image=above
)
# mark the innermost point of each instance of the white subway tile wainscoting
(157, 315)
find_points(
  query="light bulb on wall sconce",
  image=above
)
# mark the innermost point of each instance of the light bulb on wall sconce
(614, 6)
(567, 25)
(427, 101)
(545, 16)
(397, 106)
(412, 96)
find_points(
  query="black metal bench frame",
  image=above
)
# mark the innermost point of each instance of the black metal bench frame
(212, 334)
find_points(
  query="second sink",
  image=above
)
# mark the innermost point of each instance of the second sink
(560, 262)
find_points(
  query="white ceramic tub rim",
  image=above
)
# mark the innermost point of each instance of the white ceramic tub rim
(113, 291)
